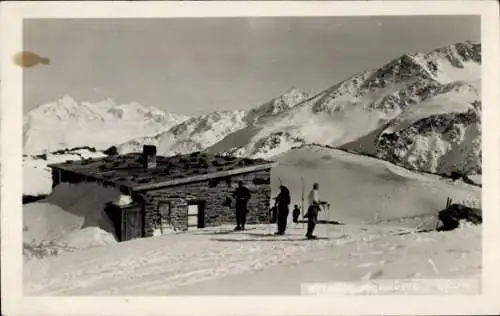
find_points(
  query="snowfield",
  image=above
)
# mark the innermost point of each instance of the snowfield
(218, 261)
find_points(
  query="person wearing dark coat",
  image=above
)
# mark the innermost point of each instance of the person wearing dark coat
(242, 195)
(296, 213)
(282, 203)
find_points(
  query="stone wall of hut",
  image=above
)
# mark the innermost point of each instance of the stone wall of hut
(215, 194)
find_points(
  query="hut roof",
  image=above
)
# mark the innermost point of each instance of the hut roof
(129, 171)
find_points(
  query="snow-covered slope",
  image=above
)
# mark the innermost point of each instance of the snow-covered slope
(67, 123)
(361, 260)
(363, 189)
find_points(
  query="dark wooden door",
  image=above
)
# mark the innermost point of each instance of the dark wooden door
(115, 215)
(201, 214)
(132, 224)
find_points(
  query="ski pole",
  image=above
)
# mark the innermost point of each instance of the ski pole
(302, 210)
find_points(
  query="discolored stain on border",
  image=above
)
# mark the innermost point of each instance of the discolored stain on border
(28, 59)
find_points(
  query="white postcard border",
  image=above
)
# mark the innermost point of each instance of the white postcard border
(11, 208)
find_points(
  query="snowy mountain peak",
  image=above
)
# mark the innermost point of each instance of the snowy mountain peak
(290, 98)
(67, 123)
(459, 61)
(276, 106)
(66, 100)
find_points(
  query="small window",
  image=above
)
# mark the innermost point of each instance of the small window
(164, 209)
(213, 183)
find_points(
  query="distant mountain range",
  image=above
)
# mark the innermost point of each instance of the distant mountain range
(421, 111)
(67, 123)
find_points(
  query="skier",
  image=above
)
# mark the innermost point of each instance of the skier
(296, 214)
(312, 211)
(282, 202)
(242, 195)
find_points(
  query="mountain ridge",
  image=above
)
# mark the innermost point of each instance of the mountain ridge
(354, 114)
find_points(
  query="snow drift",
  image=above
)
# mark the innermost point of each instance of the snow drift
(88, 237)
(68, 209)
(46, 222)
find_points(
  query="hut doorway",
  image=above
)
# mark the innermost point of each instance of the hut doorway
(128, 220)
(196, 214)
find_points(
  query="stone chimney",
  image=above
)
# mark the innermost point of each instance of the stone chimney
(149, 156)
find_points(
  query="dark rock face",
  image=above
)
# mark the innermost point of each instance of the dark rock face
(392, 147)
(451, 216)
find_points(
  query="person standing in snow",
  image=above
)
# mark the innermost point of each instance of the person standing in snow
(282, 202)
(296, 213)
(242, 195)
(312, 211)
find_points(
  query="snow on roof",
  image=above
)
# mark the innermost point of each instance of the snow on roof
(129, 171)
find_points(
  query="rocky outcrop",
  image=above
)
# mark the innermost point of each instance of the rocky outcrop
(439, 144)
(455, 213)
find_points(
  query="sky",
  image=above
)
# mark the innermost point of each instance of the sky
(194, 66)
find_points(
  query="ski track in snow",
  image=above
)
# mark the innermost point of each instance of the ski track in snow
(165, 264)
(173, 263)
